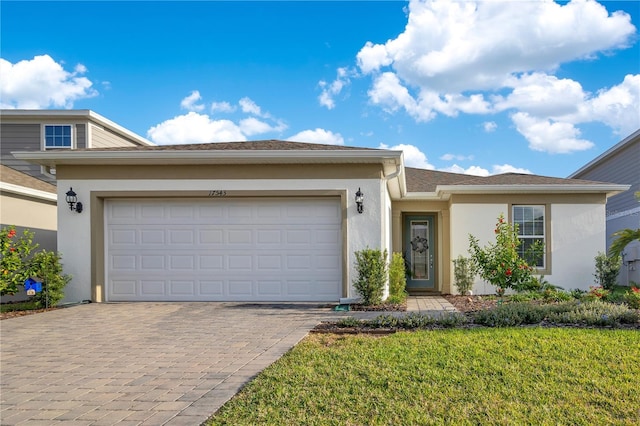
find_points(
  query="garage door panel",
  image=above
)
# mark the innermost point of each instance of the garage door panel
(245, 250)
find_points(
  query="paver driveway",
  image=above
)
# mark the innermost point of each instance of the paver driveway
(140, 363)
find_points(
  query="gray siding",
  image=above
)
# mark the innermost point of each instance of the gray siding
(105, 138)
(21, 137)
(622, 167)
(28, 137)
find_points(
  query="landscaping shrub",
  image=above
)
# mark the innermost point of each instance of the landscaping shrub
(595, 293)
(596, 313)
(348, 322)
(525, 296)
(464, 274)
(16, 252)
(499, 263)
(397, 279)
(46, 265)
(20, 261)
(383, 321)
(452, 319)
(607, 269)
(371, 269)
(511, 314)
(632, 298)
(554, 295)
(577, 293)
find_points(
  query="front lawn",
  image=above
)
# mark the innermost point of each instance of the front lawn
(458, 376)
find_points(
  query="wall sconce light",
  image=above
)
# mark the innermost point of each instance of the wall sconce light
(72, 200)
(360, 201)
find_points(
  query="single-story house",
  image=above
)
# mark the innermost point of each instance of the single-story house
(278, 221)
(620, 164)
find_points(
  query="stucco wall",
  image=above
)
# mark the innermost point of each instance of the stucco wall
(477, 220)
(74, 230)
(577, 235)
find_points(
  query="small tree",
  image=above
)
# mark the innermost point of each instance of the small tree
(464, 274)
(371, 267)
(607, 269)
(397, 279)
(499, 263)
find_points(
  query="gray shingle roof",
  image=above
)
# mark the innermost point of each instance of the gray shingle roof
(14, 177)
(263, 145)
(419, 180)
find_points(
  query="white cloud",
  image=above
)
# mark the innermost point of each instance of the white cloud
(189, 103)
(457, 157)
(473, 170)
(331, 90)
(444, 40)
(618, 107)
(480, 171)
(252, 126)
(194, 128)
(222, 107)
(413, 157)
(508, 168)
(250, 107)
(489, 126)
(549, 136)
(542, 94)
(452, 54)
(321, 136)
(41, 83)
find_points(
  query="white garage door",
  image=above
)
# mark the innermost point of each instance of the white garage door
(224, 250)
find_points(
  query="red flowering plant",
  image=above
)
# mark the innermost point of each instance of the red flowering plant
(499, 263)
(15, 252)
(597, 293)
(632, 297)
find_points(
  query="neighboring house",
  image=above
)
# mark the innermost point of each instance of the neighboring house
(28, 203)
(621, 164)
(28, 192)
(277, 221)
(52, 130)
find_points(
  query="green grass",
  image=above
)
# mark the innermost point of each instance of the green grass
(509, 376)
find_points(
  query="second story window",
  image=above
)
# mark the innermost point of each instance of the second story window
(57, 136)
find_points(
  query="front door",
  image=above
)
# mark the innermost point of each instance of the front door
(419, 249)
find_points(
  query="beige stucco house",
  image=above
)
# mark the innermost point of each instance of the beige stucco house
(278, 221)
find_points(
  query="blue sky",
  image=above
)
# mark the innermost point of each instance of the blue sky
(470, 87)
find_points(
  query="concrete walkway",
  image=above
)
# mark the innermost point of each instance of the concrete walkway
(147, 363)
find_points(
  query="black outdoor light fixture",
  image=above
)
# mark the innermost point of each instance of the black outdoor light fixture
(360, 201)
(72, 200)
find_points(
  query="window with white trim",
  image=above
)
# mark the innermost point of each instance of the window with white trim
(530, 221)
(57, 136)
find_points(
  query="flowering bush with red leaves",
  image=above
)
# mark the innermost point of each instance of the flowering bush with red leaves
(15, 251)
(499, 263)
(632, 297)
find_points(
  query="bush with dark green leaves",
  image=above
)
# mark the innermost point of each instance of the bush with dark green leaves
(371, 269)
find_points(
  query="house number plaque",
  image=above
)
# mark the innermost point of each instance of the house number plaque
(217, 193)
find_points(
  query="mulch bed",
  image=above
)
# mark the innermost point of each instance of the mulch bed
(14, 314)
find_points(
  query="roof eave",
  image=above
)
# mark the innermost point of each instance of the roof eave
(89, 157)
(608, 189)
